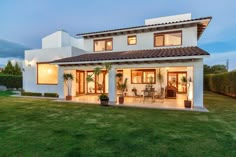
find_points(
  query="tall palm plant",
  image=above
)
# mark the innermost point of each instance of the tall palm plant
(96, 72)
(160, 78)
(68, 78)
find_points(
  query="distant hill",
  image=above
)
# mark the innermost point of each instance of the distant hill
(10, 49)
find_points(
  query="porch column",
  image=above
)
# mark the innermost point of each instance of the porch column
(198, 84)
(112, 86)
(60, 86)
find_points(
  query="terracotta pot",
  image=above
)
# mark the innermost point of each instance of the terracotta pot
(187, 103)
(121, 100)
(68, 97)
(104, 102)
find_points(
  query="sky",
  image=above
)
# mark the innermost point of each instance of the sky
(26, 22)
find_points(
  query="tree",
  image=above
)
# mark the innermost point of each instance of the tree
(17, 70)
(9, 69)
(207, 69)
(215, 69)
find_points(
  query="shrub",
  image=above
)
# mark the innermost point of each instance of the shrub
(224, 83)
(11, 81)
(103, 96)
(31, 94)
(55, 95)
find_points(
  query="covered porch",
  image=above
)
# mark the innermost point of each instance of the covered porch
(138, 77)
(141, 69)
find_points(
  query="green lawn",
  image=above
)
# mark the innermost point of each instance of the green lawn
(5, 93)
(34, 127)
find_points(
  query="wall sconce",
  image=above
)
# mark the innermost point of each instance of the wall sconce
(28, 63)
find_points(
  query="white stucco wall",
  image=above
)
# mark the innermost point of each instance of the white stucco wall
(167, 19)
(145, 40)
(43, 55)
(61, 39)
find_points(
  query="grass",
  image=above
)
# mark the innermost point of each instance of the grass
(5, 94)
(34, 127)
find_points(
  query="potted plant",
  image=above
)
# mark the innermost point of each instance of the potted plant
(187, 82)
(122, 87)
(160, 79)
(68, 78)
(103, 99)
(90, 78)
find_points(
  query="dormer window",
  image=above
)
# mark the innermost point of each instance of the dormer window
(103, 45)
(168, 39)
(132, 40)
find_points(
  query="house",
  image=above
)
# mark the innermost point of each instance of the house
(165, 45)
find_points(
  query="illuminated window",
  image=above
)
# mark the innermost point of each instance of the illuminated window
(143, 76)
(103, 45)
(132, 40)
(47, 73)
(168, 39)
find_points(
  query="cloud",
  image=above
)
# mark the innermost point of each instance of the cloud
(221, 58)
(11, 50)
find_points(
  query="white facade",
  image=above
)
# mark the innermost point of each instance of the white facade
(61, 45)
(55, 46)
(145, 40)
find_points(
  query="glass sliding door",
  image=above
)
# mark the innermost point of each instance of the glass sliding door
(174, 79)
(98, 85)
(91, 85)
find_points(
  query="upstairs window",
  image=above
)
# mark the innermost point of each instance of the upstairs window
(132, 40)
(168, 39)
(103, 45)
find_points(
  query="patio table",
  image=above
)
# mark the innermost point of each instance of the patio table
(148, 93)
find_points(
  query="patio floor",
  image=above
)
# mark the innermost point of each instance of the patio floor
(172, 104)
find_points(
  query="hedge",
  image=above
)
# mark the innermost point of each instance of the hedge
(224, 83)
(11, 81)
(31, 94)
(51, 95)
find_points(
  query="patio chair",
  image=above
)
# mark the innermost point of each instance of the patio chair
(137, 95)
(148, 93)
(160, 95)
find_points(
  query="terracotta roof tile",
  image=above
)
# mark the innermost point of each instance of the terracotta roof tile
(143, 26)
(136, 54)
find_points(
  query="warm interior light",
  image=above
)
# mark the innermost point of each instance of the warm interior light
(109, 43)
(49, 71)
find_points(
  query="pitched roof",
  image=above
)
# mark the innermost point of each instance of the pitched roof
(144, 26)
(135, 54)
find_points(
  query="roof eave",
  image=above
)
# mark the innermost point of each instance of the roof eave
(141, 27)
(132, 60)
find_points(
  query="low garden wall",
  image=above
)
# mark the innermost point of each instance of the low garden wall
(11, 81)
(224, 83)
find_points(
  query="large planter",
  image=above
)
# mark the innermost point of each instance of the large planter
(104, 101)
(187, 103)
(68, 97)
(121, 99)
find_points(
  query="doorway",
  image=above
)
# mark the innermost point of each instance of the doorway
(80, 82)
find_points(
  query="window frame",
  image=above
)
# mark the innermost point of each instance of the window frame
(38, 75)
(143, 70)
(106, 40)
(130, 36)
(163, 34)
